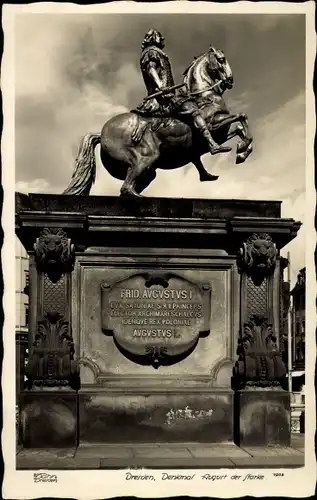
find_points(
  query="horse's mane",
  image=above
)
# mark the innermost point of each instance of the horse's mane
(192, 64)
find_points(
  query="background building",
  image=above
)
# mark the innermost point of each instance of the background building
(22, 311)
(293, 318)
(298, 352)
(298, 295)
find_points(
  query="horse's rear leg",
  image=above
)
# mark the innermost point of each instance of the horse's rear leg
(128, 187)
(141, 171)
(145, 180)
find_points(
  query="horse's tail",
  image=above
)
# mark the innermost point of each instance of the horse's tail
(84, 174)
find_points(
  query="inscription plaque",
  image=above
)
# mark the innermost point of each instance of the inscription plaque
(156, 317)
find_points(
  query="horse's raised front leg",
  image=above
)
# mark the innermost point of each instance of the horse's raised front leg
(221, 120)
(244, 147)
(238, 130)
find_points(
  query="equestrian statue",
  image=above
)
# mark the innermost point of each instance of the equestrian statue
(173, 126)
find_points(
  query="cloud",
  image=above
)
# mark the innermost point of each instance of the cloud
(74, 72)
(35, 186)
(63, 90)
(279, 148)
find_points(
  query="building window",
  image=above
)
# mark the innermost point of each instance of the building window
(26, 315)
(27, 282)
(302, 302)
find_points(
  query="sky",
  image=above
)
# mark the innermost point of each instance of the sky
(75, 71)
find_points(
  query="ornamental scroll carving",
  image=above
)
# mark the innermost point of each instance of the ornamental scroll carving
(54, 253)
(260, 363)
(51, 361)
(257, 257)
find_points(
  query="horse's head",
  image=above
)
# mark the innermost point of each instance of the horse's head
(219, 69)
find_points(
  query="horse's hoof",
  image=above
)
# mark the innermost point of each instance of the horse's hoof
(242, 147)
(241, 157)
(208, 177)
(130, 193)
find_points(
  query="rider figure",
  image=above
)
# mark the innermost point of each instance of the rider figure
(157, 74)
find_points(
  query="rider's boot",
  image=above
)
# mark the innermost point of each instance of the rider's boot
(213, 146)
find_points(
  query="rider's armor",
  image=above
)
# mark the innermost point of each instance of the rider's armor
(159, 106)
(178, 104)
(155, 54)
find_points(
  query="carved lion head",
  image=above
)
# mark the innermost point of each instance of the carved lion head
(257, 256)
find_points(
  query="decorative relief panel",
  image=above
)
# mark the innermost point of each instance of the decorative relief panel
(54, 295)
(259, 360)
(51, 360)
(257, 298)
(155, 318)
(259, 363)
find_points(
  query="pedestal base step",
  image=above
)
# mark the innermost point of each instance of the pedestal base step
(160, 456)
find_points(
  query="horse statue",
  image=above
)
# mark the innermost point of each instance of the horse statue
(133, 147)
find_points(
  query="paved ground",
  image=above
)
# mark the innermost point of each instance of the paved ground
(164, 456)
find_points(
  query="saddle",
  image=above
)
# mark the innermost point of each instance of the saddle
(159, 116)
(155, 124)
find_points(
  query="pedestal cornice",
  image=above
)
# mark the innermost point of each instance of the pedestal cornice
(159, 222)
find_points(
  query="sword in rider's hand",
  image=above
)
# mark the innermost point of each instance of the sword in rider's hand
(175, 87)
(167, 90)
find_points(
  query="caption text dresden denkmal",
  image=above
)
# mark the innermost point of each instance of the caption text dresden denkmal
(165, 476)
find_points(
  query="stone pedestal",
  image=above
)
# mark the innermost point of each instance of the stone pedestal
(48, 419)
(153, 300)
(262, 418)
(151, 416)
